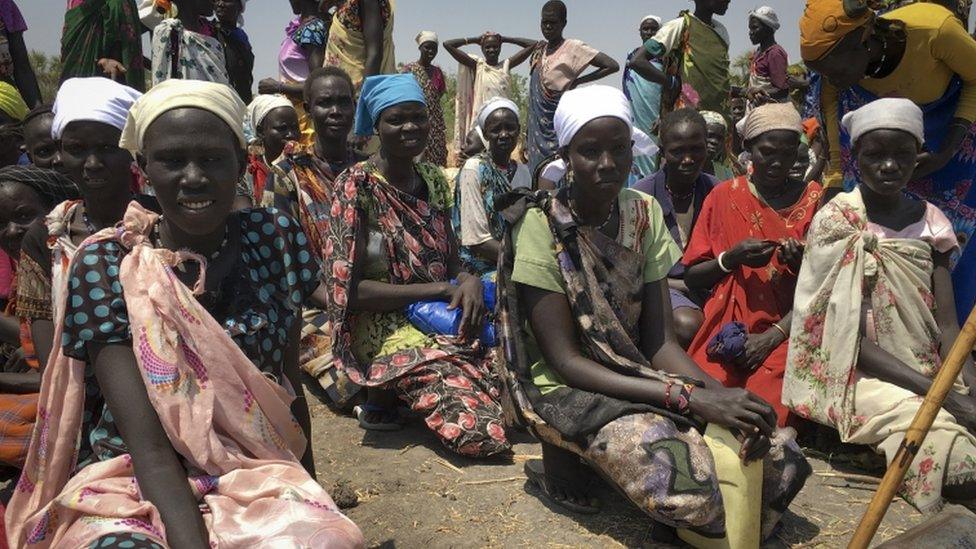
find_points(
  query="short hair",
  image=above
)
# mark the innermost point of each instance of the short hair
(557, 6)
(37, 112)
(327, 72)
(686, 115)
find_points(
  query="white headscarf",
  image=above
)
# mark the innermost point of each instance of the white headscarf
(94, 99)
(218, 99)
(767, 16)
(426, 36)
(651, 18)
(493, 105)
(886, 114)
(579, 106)
(259, 108)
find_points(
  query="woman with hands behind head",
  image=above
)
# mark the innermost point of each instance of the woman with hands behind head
(745, 251)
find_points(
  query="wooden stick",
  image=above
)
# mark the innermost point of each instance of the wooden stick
(941, 385)
(491, 481)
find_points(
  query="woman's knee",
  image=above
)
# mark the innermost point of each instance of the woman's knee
(687, 322)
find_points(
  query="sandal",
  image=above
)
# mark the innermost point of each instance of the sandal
(391, 417)
(536, 474)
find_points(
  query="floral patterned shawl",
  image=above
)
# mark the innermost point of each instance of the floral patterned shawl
(231, 425)
(847, 268)
(417, 246)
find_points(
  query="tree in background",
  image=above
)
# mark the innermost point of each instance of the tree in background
(48, 71)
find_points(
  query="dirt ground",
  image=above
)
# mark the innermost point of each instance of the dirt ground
(404, 490)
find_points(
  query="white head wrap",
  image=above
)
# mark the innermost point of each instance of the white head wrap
(767, 16)
(579, 106)
(218, 99)
(426, 36)
(770, 117)
(651, 18)
(260, 106)
(885, 114)
(94, 99)
(493, 105)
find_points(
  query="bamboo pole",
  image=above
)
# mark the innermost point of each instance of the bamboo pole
(941, 385)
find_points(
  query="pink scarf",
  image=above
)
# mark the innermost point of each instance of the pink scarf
(230, 424)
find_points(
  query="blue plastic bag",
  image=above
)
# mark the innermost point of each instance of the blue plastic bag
(434, 318)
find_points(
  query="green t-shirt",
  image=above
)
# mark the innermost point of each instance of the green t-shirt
(642, 230)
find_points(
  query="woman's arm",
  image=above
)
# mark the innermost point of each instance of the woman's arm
(376, 296)
(487, 250)
(605, 66)
(20, 383)
(161, 476)
(373, 31)
(946, 315)
(23, 71)
(315, 55)
(453, 47)
(528, 46)
(271, 86)
(641, 64)
(299, 408)
(751, 252)
(9, 330)
(555, 332)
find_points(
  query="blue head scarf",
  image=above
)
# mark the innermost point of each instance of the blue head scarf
(381, 92)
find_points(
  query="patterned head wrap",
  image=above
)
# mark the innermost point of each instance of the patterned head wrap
(826, 22)
(426, 36)
(54, 187)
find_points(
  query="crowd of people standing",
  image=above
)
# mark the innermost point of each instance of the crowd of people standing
(642, 277)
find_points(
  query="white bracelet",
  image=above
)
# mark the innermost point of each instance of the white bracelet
(721, 265)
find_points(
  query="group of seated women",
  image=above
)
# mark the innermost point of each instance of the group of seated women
(167, 332)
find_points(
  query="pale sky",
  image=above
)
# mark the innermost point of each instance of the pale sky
(608, 25)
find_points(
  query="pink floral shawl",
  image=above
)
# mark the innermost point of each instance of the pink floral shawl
(847, 268)
(230, 424)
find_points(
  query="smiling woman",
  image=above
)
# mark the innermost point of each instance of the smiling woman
(187, 321)
(390, 245)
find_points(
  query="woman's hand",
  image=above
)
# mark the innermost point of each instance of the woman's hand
(791, 254)
(269, 86)
(736, 409)
(757, 96)
(754, 447)
(469, 295)
(758, 347)
(751, 252)
(111, 68)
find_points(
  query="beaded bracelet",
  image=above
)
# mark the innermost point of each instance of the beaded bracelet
(684, 399)
(667, 393)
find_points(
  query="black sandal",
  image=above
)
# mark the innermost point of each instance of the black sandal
(535, 472)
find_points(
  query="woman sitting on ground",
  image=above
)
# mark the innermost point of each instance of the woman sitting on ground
(484, 177)
(90, 115)
(391, 245)
(27, 194)
(589, 268)
(745, 252)
(874, 313)
(183, 365)
(680, 188)
(270, 122)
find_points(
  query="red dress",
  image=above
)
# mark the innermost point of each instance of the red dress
(754, 297)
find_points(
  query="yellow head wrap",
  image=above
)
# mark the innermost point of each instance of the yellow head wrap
(218, 99)
(826, 22)
(12, 103)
